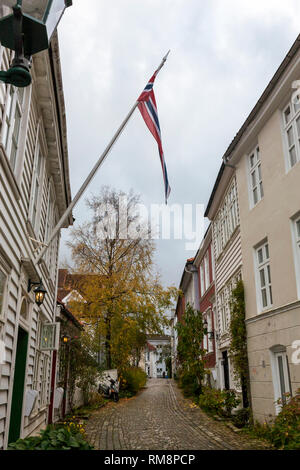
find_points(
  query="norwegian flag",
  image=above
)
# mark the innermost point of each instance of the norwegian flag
(148, 109)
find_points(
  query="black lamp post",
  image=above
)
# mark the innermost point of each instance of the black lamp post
(39, 291)
(27, 31)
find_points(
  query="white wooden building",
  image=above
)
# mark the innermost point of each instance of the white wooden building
(154, 362)
(223, 211)
(34, 193)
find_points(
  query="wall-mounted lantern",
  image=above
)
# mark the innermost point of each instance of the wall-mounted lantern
(39, 291)
(27, 31)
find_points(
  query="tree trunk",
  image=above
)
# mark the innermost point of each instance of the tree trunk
(108, 342)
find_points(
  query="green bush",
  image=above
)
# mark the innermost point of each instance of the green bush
(70, 437)
(133, 379)
(284, 431)
(241, 417)
(189, 385)
(220, 402)
(125, 394)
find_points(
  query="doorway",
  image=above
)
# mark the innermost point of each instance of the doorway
(226, 370)
(18, 388)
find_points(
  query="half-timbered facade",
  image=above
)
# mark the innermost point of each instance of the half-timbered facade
(34, 193)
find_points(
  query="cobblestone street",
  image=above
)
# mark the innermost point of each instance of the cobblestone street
(159, 418)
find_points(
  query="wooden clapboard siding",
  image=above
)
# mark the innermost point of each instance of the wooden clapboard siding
(15, 204)
(230, 260)
(227, 265)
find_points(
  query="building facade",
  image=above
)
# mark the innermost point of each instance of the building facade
(266, 157)
(34, 193)
(154, 361)
(223, 212)
(204, 261)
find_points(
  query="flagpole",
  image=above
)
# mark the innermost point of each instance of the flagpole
(91, 175)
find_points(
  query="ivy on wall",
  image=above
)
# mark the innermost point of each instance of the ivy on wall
(238, 340)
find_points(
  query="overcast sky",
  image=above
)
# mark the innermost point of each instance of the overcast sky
(223, 54)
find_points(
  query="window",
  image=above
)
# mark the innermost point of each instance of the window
(208, 341)
(223, 310)
(224, 303)
(291, 122)
(206, 271)
(45, 335)
(49, 221)
(36, 185)
(227, 219)
(12, 123)
(281, 375)
(212, 263)
(202, 279)
(256, 185)
(296, 240)
(40, 378)
(264, 277)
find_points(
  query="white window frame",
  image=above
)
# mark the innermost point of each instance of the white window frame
(295, 228)
(227, 219)
(15, 100)
(255, 177)
(206, 271)
(210, 343)
(263, 277)
(212, 262)
(202, 279)
(223, 320)
(6, 271)
(49, 223)
(54, 344)
(281, 378)
(291, 125)
(2, 306)
(223, 302)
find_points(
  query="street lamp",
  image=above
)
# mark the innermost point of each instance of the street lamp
(39, 291)
(27, 31)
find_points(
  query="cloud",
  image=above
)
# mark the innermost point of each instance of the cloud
(223, 54)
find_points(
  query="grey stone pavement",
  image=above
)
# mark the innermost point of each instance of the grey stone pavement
(160, 418)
